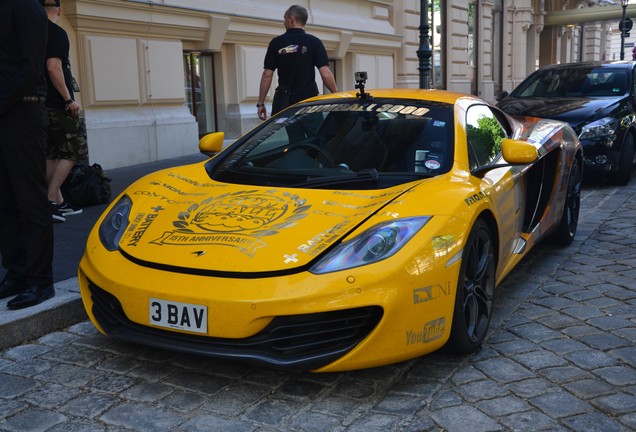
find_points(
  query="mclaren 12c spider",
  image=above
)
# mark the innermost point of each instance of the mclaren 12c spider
(348, 231)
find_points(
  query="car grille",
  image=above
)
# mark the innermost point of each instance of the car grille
(301, 342)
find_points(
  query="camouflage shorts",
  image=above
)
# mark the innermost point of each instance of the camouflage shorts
(66, 136)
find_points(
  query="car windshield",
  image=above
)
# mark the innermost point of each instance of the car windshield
(574, 82)
(346, 145)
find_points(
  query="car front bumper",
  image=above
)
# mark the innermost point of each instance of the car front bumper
(600, 157)
(345, 320)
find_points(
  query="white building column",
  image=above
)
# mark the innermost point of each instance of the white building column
(485, 83)
(565, 43)
(517, 22)
(592, 37)
(458, 72)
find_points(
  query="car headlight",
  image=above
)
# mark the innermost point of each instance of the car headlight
(115, 223)
(599, 128)
(375, 244)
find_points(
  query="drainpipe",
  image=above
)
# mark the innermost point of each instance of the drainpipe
(513, 9)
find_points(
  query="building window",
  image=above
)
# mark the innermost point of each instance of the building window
(199, 90)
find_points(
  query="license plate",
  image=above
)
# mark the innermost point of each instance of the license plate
(182, 316)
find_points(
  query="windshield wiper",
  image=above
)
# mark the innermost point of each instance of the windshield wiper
(370, 173)
(361, 176)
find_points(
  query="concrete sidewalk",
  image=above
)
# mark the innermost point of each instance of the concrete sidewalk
(61, 311)
(66, 309)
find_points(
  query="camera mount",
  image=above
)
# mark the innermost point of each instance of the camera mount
(361, 79)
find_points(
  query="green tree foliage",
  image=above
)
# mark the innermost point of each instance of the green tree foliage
(486, 138)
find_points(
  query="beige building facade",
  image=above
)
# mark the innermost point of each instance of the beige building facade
(156, 75)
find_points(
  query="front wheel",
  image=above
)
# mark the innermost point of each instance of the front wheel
(475, 292)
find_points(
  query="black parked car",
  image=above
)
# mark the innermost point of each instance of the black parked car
(597, 99)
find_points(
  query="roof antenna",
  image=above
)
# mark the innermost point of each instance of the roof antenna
(361, 79)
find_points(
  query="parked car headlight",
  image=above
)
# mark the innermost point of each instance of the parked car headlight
(599, 128)
(115, 223)
(375, 244)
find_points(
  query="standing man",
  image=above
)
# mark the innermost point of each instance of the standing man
(295, 54)
(26, 231)
(66, 137)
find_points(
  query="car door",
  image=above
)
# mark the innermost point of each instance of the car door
(486, 127)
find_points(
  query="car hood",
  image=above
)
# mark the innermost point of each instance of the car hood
(575, 111)
(182, 219)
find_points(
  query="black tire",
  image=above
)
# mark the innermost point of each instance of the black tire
(475, 292)
(566, 230)
(626, 162)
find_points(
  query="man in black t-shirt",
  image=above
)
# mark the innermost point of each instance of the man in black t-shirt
(26, 231)
(66, 132)
(294, 54)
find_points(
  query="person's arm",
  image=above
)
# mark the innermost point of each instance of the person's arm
(328, 79)
(54, 67)
(266, 82)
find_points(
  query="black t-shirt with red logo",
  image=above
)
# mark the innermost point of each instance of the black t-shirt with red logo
(295, 54)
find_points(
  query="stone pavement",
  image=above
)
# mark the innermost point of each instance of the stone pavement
(561, 356)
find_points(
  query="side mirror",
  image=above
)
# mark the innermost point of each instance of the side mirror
(502, 95)
(515, 152)
(518, 152)
(211, 143)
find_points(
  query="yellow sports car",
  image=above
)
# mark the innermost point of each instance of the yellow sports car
(349, 231)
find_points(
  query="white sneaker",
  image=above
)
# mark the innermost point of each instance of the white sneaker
(66, 209)
(56, 214)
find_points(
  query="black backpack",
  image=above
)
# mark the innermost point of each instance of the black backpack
(86, 185)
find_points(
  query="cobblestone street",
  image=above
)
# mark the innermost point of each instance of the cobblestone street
(561, 355)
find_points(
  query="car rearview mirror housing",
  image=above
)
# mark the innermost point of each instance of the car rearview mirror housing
(502, 95)
(211, 143)
(518, 152)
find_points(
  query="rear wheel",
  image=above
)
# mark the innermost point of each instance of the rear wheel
(569, 221)
(475, 292)
(626, 162)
